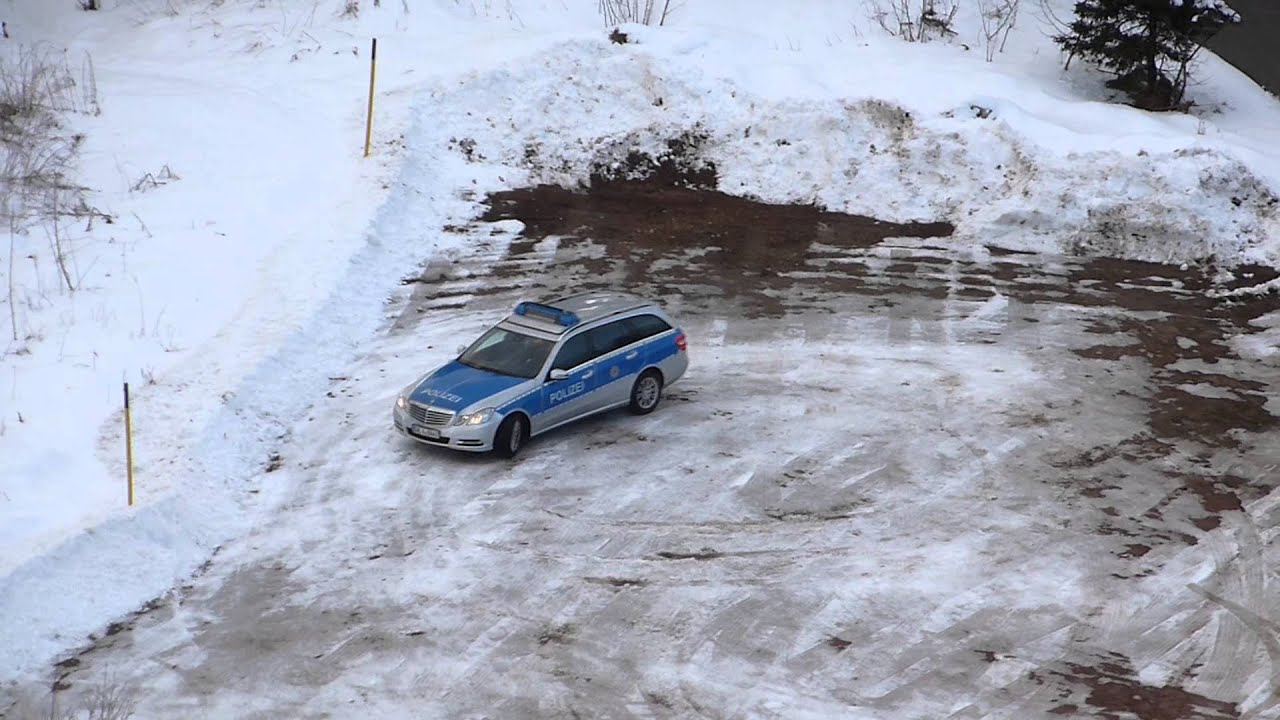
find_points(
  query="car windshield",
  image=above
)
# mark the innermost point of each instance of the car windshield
(507, 353)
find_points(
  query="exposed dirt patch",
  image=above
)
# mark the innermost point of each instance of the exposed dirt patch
(1176, 413)
(1138, 447)
(116, 633)
(681, 165)
(617, 582)
(654, 225)
(1135, 550)
(784, 515)
(1196, 487)
(741, 247)
(1114, 692)
(1219, 494)
(1225, 404)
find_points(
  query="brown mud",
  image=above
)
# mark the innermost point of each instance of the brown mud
(1110, 689)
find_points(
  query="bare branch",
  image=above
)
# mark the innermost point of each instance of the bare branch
(915, 20)
(645, 12)
(998, 18)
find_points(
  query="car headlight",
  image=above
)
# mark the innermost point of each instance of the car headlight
(402, 402)
(478, 417)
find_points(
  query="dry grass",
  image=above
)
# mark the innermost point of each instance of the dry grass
(914, 20)
(36, 91)
(110, 698)
(38, 88)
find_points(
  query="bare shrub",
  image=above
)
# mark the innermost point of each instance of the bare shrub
(36, 88)
(154, 180)
(39, 80)
(645, 12)
(998, 18)
(34, 91)
(915, 20)
(57, 238)
(89, 87)
(108, 699)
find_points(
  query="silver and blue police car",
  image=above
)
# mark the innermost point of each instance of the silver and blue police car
(545, 365)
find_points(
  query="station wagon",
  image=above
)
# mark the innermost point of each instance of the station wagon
(545, 365)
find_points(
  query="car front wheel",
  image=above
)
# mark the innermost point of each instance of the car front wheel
(510, 436)
(646, 393)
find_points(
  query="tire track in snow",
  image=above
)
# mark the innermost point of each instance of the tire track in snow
(1247, 616)
(1235, 644)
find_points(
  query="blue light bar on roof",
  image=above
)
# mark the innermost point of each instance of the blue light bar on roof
(556, 315)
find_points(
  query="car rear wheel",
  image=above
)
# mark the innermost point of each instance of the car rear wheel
(646, 393)
(511, 435)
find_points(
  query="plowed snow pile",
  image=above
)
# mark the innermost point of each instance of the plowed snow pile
(1004, 176)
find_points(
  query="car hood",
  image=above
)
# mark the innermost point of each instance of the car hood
(456, 386)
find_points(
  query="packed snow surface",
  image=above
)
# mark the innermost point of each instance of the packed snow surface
(252, 248)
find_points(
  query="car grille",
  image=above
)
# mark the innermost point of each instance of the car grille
(429, 416)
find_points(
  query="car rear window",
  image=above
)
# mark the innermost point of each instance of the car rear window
(643, 326)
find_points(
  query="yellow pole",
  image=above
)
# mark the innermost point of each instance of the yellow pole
(368, 122)
(128, 442)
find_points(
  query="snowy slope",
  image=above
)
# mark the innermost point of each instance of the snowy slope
(227, 297)
(231, 290)
(260, 200)
(1034, 173)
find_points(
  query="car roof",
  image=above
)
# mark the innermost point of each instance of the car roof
(590, 306)
(559, 315)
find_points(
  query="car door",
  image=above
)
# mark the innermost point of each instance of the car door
(620, 359)
(563, 400)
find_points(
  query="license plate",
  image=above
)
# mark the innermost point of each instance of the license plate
(426, 432)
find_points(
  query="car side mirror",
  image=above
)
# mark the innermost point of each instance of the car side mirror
(461, 349)
(557, 374)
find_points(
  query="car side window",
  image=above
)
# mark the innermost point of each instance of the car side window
(575, 351)
(644, 326)
(607, 338)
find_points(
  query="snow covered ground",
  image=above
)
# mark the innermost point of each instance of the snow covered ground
(234, 291)
(204, 288)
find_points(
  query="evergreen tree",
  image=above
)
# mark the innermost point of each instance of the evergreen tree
(1148, 44)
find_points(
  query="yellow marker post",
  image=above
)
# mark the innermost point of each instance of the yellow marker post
(368, 122)
(128, 442)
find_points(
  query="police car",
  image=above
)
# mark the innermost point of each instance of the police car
(545, 365)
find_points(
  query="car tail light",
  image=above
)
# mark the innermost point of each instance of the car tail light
(681, 342)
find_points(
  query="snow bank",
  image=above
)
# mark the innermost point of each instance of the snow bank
(1007, 176)
(58, 598)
